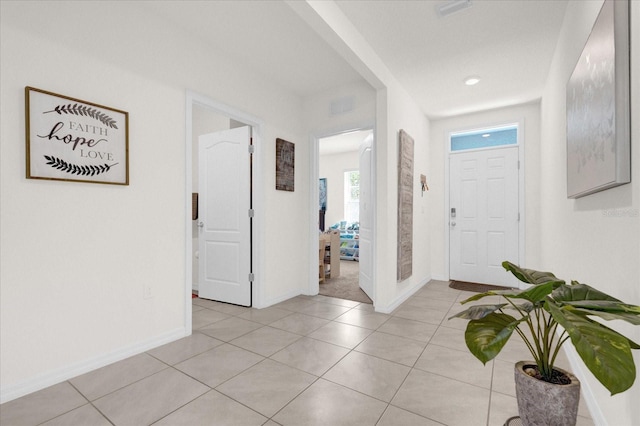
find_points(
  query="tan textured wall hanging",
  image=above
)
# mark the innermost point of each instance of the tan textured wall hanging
(405, 206)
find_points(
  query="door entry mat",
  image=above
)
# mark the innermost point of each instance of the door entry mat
(475, 287)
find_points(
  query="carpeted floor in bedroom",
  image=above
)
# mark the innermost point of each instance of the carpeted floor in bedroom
(346, 286)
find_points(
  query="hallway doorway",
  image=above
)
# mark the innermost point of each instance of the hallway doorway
(205, 116)
(345, 208)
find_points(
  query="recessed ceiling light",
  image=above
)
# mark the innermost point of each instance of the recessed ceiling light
(470, 81)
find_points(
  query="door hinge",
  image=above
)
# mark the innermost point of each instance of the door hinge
(251, 276)
(518, 164)
(252, 213)
(518, 216)
(251, 149)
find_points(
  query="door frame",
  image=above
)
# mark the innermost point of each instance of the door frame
(313, 286)
(521, 187)
(257, 242)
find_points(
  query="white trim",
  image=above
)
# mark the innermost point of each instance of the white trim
(188, 241)
(258, 196)
(313, 286)
(520, 124)
(402, 298)
(447, 228)
(522, 210)
(54, 377)
(281, 298)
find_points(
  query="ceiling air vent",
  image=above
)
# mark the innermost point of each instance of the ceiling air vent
(453, 6)
(342, 105)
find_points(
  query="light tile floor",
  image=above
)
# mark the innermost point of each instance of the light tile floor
(306, 361)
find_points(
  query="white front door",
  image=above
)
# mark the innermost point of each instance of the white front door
(224, 222)
(366, 219)
(483, 215)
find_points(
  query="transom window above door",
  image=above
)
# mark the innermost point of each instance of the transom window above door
(484, 138)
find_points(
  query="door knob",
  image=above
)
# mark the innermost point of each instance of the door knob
(200, 224)
(453, 224)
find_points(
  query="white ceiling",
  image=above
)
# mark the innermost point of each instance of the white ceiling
(267, 36)
(345, 142)
(508, 43)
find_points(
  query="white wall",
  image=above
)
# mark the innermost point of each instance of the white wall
(529, 115)
(595, 239)
(401, 114)
(320, 120)
(332, 167)
(75, 257)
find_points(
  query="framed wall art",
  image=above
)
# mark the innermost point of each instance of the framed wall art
(322, 190)
(598, 107)
(285, 165)
(73, 140)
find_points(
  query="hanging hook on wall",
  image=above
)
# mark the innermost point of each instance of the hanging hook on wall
(423, 182)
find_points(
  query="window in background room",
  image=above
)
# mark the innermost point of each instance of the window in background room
(352, 196)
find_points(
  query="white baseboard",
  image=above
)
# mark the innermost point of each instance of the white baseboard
(8, 393)
(440, 278)
(281, 298)
(400, 299)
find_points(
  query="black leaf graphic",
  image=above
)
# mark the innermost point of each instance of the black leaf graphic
(87, 111)
(74, 169)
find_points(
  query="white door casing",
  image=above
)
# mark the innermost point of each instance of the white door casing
(484, 227)
(366, 218)
(224, 220)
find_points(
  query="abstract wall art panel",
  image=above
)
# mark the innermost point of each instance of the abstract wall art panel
(405, 206)
(598, 107)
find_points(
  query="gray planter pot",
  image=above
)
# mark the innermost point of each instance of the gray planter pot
(541, 403)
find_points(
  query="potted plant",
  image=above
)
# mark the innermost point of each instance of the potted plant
(545, 316)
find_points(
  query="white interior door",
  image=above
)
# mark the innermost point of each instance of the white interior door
(483, 215)
(224, 221)
(366, 218)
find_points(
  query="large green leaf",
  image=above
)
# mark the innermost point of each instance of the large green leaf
(591, 301)
(477, 296)
(605, 306)
(525, 306)
(530, 276)
(607, 315)
(478, 311)
(537, 293)
(605, 352)
(508, 293)
(486, 337)
(578, 291)
(633, 319)
(534, 294)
